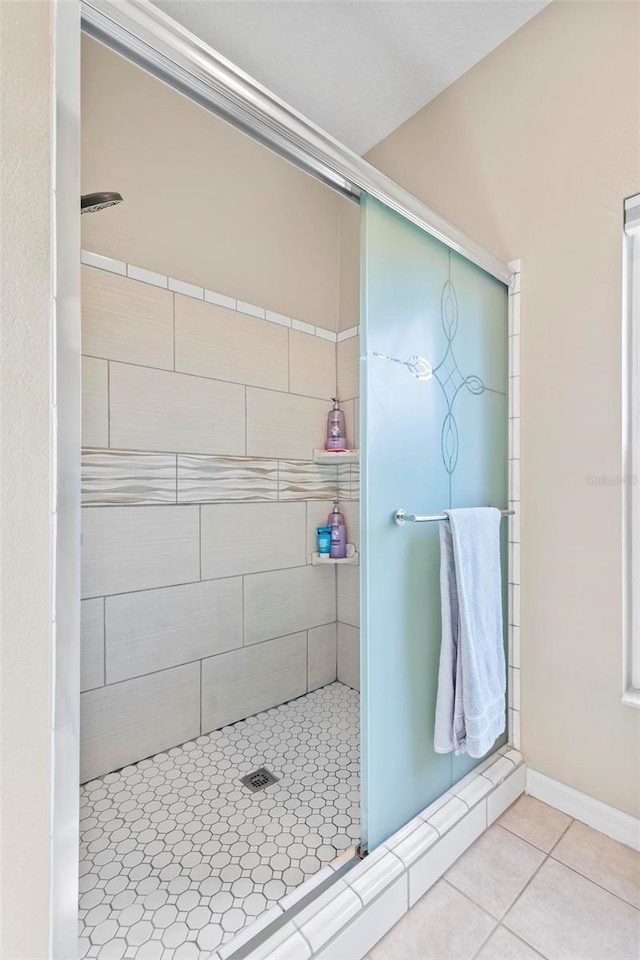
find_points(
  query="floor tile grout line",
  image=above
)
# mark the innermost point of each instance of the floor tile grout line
(462, 892)
(522, 892)
(529, 843)
(546, 856)
(594, 882)
(566, 829)
(469, 897)
(489, 935)
(517, 937)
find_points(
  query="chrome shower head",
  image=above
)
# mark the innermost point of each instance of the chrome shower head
(92, 202)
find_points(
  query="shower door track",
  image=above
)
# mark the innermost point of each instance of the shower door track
(148, 37)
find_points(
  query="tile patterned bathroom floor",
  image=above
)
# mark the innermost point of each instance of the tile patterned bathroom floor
(176, 855)
(536, 885)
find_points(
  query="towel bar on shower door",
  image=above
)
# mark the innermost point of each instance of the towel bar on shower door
(401, 517)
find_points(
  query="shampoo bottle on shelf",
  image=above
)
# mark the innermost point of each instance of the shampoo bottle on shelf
(336, 429)
(338, 533)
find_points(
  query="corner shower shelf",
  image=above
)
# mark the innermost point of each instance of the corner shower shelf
(327, 456)
(318, 561)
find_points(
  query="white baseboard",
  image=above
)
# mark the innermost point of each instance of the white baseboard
(608, 820)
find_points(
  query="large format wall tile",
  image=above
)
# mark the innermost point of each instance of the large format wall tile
(349, 595)
(348, 365)
(91, 643)
(134, 548)
(156, 410)
(225, 345)
(125, 722)
(312, 366)
(298, 480)
(284, 426)
(286, 601)
(321, 656)
(119, 476)
(349, 655)
(240, 538)
(156, 629)
(126, 320)
(208, 479)
(95, 402)
(244, 682)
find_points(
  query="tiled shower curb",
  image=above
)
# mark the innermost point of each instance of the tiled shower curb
(345, 920)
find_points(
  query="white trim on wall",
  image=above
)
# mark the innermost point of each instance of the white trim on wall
(601, 816)
(513, 454)
(630, 486)
(65, 415)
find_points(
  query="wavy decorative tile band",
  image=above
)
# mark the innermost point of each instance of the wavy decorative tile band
(124, 477)
(349, 481)
(211, 479)
(299, 480)
(121, 477)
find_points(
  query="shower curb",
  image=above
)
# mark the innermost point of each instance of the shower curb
(358, 903)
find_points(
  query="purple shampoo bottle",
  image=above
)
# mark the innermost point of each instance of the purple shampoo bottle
(335, 520)
(336, 428)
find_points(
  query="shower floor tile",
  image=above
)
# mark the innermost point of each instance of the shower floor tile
(176, 855)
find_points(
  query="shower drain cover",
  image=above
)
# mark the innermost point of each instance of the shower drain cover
(259, 779)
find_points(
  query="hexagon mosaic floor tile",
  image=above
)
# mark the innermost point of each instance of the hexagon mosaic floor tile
(176, 855)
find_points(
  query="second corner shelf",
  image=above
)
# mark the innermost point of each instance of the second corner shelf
(329, 456)
(318, 561)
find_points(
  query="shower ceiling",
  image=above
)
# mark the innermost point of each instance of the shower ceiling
(357, 68)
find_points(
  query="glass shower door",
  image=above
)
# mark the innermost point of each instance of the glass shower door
(427, 444)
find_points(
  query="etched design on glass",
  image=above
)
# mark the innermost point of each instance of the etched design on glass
(418, 366)
(451, 378)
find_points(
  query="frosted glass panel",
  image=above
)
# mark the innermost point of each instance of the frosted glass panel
(426, 445)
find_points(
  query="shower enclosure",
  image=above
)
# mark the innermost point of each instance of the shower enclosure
(179, 854)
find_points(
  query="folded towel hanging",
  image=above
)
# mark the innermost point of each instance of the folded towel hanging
(470, 704)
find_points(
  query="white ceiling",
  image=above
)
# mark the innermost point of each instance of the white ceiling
(357, 68)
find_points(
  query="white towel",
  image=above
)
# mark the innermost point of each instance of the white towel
(470, 706)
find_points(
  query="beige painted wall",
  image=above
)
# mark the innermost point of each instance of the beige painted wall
(531, 152)
(26, 53)
(204, 203)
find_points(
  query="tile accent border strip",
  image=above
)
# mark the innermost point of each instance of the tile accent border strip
(366, 900)
(133, 272)
(113, 477)
(513, 673)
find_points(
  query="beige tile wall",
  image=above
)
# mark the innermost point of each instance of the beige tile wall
(201, 498)
(226, 345)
